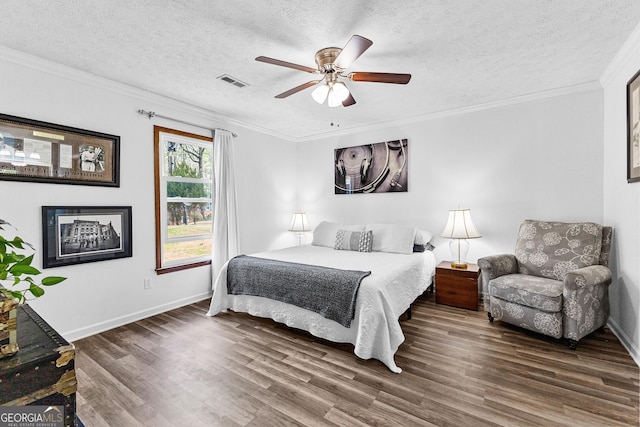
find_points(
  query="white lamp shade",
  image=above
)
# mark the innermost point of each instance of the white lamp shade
(332, 99)
(340, 90)
(319, 94)
(299, 222)
(337, 94)
(460, 226)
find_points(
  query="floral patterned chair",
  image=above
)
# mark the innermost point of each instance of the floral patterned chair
(556, 283)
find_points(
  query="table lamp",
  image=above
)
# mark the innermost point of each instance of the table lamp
(459, 228)
(299, 225)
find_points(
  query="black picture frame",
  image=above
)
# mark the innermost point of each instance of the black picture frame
(633, 129)
(80, 234)
(31, 150)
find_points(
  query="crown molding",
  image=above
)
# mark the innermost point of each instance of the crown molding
(53, 68)
(629, 50)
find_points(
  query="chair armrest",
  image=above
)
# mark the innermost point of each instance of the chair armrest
(492, 267)
(497, 265)
(586, 301)
(587, 277)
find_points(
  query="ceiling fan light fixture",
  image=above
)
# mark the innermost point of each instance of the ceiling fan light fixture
(332, 63)
(320, 93)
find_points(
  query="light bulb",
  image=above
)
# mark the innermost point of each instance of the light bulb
(319, 94)
(340, 90)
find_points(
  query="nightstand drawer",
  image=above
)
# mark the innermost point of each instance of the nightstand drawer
(457, 292)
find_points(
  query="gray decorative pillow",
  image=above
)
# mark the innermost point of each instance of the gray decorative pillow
(360, 241)
(553, 249)
(422, 248)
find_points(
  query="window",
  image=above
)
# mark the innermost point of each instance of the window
(184, 199)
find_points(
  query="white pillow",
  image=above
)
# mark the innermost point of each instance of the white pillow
(394, 238)
(423, 237)
(325, 233)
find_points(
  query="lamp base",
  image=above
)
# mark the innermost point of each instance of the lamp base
(459, 265)
(459, 249)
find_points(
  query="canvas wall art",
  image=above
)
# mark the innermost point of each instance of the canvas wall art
(381, 167)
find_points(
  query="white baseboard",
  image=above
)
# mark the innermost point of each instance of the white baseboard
(624, 339)
(87, 331)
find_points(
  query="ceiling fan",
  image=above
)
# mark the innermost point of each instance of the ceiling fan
(332, 63)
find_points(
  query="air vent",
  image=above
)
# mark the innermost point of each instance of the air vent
(232, 80)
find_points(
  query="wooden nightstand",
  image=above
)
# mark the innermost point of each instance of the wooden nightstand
(457, 287)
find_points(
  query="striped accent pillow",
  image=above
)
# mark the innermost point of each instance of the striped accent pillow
(361, 241)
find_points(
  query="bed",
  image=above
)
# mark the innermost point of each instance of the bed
(396, 280)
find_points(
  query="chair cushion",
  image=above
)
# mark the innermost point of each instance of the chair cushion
(531, 291)
(553, 249)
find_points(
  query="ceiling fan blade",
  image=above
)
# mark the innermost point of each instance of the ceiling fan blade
(349, 101)
(401, 79)
(297, 89)
(286, 64)
(352, 51)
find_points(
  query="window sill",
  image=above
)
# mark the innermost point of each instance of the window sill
(165, 270)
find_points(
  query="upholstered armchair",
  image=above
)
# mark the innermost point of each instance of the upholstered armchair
(555, 284)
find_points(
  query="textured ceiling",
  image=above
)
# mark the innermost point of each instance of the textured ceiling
(460, 53)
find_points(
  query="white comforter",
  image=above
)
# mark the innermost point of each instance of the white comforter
(396, 280)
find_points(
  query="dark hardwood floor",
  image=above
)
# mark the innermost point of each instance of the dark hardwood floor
(182, 368)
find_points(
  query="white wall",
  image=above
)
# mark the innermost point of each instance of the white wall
(102, 295)
(621, 199)
(540, 159)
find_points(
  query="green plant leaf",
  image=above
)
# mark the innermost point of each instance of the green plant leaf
(52, 280)
(16, 243)
(26, 261)
(13, 294)
(19, 269)
(13, 257)
(36, 290)
(16, 270)
(22, 243)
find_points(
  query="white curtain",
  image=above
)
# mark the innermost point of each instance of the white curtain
(225, 215)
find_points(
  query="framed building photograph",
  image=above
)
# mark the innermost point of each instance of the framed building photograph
(381, 167)
(633, 129)
(79, 234)
(36, 151)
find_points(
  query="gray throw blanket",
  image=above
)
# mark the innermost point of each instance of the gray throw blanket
(331, 292)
